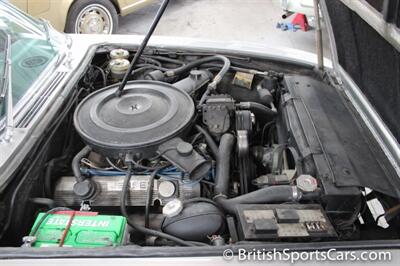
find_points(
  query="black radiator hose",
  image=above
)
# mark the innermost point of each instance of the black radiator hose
(273, 194)
(223, 164)
(257, 108)
(211, 143)
(217, 79)
(185, 68)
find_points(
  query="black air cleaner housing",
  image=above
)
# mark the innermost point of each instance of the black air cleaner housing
(147, 114)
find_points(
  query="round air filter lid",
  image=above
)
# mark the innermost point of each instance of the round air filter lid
(147, 114)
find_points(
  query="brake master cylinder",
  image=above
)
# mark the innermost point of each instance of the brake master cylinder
(119, 63)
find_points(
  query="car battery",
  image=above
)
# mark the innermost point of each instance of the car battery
(283, 221)
(79, 229)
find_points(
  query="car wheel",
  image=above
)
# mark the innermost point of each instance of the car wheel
(92, 17)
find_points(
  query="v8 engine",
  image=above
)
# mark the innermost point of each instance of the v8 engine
(199, 150)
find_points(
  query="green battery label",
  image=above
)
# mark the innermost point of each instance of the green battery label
(85, 230)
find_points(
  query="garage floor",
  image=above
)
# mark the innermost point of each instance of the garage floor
(224, 20)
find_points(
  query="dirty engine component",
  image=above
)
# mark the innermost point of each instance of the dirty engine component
(78, 229)
(147, 114)
(280, 221)
(109, 190)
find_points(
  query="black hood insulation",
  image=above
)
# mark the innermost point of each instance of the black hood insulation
(370, 60)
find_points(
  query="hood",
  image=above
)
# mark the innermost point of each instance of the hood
(367, 37)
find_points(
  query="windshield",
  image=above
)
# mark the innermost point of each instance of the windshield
(31, 51)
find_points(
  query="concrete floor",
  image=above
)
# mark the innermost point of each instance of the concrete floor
(223, 20)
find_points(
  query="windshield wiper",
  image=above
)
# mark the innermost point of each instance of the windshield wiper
(6, 91)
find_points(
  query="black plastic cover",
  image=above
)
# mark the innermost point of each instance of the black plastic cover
(283, 221)
(195, 222)
(333, 144)
(147, 114)
(371, 61)
(182, 155)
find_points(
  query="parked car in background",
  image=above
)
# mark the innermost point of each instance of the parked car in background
(82, 17)
(203, 150)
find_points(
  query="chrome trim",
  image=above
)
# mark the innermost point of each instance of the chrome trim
(23, 106)
(375, 19)
(9, 115)
(331, 36)
(296, 195)
(22, 19)
(35, 108)
(318, 36)
(372, 120)
(134, 4)
(25, 138)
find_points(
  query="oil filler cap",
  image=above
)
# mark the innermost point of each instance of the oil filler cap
(184, 148)
(173, 208)
(84, 189)
(166, 189)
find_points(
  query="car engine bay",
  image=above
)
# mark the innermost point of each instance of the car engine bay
(200, 149)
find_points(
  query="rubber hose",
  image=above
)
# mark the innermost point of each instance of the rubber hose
(257, 108)
(185, 68)
(210, 141)
(204, 97)
(44, 201)
(103, 75)
(223, 164)
(273, 194)
(167, 59)
(77, 161)
(48, 175)
(47, 179)
(146, 67)
(140, 228)
(200, 199)
(43, 218)
(149, 194)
